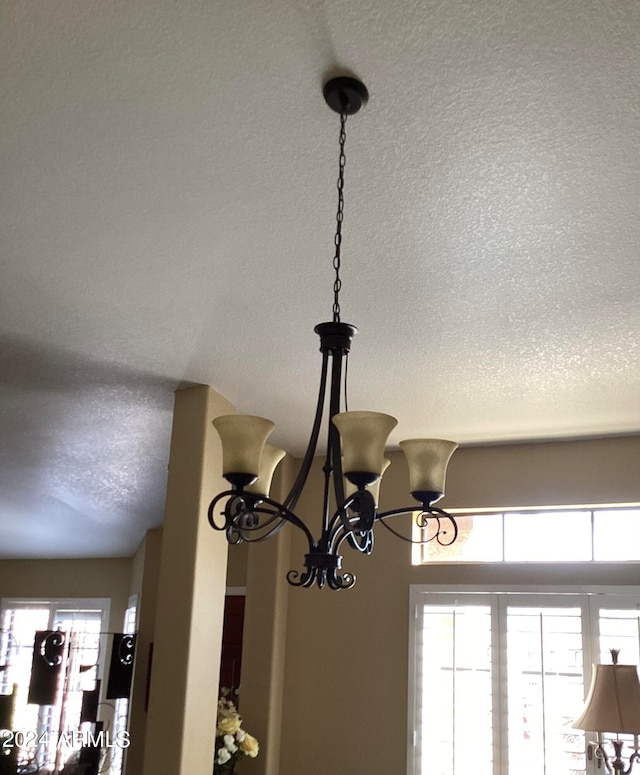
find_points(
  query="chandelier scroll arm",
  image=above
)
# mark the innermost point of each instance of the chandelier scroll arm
(437, 513)
(321, 577)
(341, 522)
(272, 516)
(279, 512)
(356, 529)
(344, 527)
(359, 541)
(212, 507)
(288, 515)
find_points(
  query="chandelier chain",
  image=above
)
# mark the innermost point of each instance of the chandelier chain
(337, 283)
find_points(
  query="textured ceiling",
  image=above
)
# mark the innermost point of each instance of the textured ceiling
(168, 206)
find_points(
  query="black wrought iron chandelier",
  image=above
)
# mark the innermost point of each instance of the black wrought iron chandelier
(354, 461)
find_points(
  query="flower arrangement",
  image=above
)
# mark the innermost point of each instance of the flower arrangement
(232, 742)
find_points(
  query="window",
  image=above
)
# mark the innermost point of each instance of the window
(37, 729)
(497, 678)
(579, 535)
(121, 717)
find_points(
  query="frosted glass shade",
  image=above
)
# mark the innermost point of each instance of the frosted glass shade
(364, 435)
(374, 489)
(271, 456)
(427, 460)
(613, 702)
(243, 438)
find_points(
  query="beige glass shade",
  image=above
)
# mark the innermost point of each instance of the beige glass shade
(374, 489)
(427, 460)
(271, 456)
(364, 435)
(613, 702)
(243, 438)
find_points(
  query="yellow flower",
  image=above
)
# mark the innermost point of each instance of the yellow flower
(250, 746)
(229, 725)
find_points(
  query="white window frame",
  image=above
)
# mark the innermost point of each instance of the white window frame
(67, 604)
(420, 551)
(588, 597)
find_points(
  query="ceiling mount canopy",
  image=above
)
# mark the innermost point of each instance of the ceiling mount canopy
(355, 458)
(345, 95)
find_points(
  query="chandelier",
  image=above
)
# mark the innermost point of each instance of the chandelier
(355, 459)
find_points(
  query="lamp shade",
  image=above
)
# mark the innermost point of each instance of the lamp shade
(374, 489)
(243, 438)
(427, 460)
(613, 702)
(271, 456)
(364, 435)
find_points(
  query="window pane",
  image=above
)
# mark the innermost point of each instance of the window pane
(479, 540)
(619, 630)
(455, 725)
(612, 535)
(544, 688)
(78, 671)
(616, 534)
(547, 536)
(19, 626)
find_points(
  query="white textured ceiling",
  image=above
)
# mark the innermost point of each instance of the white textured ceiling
(168, 206)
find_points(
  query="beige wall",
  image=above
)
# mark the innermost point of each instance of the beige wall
(345, 688)
(237, 566)
(70, 578)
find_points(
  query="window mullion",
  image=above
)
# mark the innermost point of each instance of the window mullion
(542, 695)
(498, 658)
(590, 638)
(453, 692)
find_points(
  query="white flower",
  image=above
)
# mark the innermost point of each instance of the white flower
(232, 742)
(249, 746)
(223, 756)
(228, 724)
